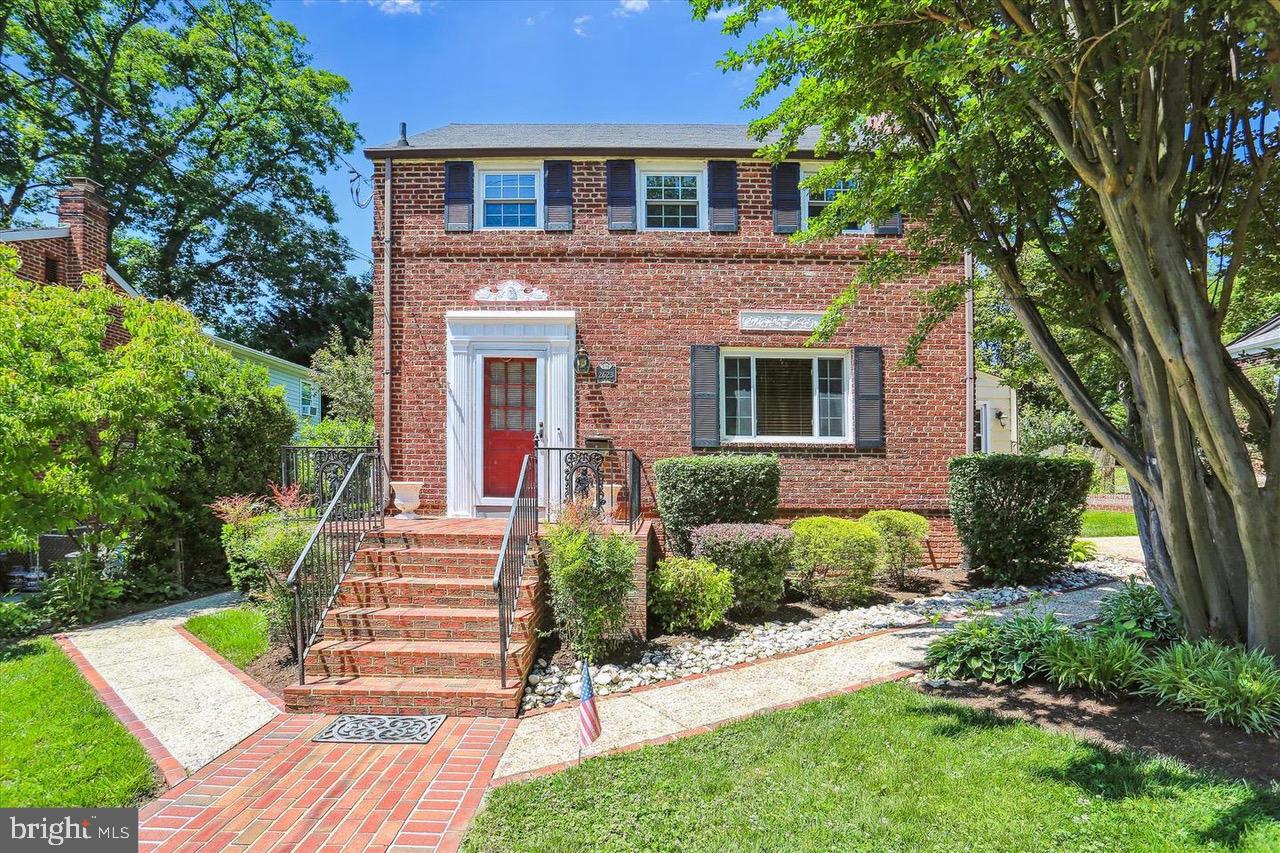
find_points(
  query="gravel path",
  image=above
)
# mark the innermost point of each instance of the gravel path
(192, 705)
(550, 738)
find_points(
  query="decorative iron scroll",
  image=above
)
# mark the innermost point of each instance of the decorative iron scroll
(583, 473)
(376, 728)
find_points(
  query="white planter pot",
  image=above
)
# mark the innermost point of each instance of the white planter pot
(407, 498)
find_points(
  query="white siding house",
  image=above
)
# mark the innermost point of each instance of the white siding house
(299, 383)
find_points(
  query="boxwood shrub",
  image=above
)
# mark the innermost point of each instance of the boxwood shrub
(833, 560)
(756, 556)
(717, 489)
(689, 594)
(902, 536)
(1018, 515)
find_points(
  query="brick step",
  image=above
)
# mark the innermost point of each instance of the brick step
(426, 562)
(416, 658)
(374, 591)
(422, 623)
(435, 539)
(460, 697)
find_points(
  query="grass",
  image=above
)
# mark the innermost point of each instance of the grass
(1109, 522)
(59, 745)
(238, 634)
(882, 769)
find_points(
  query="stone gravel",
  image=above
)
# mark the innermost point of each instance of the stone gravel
(550, 684)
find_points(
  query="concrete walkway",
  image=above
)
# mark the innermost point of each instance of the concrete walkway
(190, 703)
(548, 740)
(1123, 547)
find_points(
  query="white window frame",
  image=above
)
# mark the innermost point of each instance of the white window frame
(813, 355)
(983, 411)
(867, 230)
(307, 390)
(682, 168)
(507, 167)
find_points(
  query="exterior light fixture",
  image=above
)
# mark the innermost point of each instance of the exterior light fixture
(582, 361)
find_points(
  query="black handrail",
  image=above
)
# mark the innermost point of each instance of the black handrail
(522, 529)
(355, 509)
(317, 471)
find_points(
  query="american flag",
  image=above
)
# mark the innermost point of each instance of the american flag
(588, 719)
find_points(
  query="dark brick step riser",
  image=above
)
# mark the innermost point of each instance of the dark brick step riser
(411, 570)
(328, 703)
(413, 557)
(354, 594)
(492, 541)
(409, 665)
(487, 631)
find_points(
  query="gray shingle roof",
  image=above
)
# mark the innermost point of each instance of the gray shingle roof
(658, 139)
(1260, 340)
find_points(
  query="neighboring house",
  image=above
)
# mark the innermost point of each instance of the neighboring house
(1261, 344)
(634, 286)
(995, 415)
(65, 253)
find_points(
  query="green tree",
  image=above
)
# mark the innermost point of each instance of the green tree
(346, 378)
(1133, 146)
(206, 124)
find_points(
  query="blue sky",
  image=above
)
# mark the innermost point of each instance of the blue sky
(431, 63)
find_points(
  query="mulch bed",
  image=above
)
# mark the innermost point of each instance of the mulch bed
(1127, 723)
(275, 670)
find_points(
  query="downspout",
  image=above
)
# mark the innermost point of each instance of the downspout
(386, 315)
(970, 374)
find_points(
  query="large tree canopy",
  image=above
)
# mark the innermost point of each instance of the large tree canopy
(206, 124)
(1128, 145)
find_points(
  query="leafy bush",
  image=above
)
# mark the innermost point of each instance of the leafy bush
(756, 556)
(1227, 684)
(1139, 612)
(589, 578)
(694, 491)
(833, 560)
(1107, 663)
(690, 594)
(77, 591)
(1018, 515)
(1007, 650)
(337, 432)
(17, 620)
(902, 536)
(1082, 550)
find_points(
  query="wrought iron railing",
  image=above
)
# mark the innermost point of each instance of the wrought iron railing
(608, 480)
(354, 509)
(317, 471)
(522, 529)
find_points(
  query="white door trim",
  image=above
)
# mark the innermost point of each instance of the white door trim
(472, 335)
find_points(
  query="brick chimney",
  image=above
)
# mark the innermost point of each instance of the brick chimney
(81, 208)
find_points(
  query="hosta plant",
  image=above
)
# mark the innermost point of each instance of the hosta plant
(998, 651)
(1139, 612)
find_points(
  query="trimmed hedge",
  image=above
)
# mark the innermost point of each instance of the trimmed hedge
(589, 579)
(717, 489)
(1018, 515)
(834, 560)
(756, 556)
(689, 594)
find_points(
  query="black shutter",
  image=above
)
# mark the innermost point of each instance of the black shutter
(722, 175)
(890, 227)
(621, 189)
(786, 198)
(704, 395)
(557, 195)
(868, 397)
(459, 205)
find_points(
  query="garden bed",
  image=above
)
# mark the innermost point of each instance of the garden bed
(1122, 722)
(239, 634)
(796, 626)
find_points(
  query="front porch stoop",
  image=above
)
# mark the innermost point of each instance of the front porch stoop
(414, 628)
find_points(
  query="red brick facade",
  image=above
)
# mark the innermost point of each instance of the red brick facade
(641, 299)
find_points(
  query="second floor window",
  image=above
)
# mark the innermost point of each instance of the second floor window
(510, 199)
(817, 202)
(671, 201)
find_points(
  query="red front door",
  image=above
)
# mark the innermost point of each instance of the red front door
(510, 413)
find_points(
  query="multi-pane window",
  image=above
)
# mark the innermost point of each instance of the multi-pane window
(980, 431)
(309, 404)
(670, 201)
(784, 396)
(510, 199)
(817, 202)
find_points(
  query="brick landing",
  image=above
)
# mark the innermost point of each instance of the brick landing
(279, 791)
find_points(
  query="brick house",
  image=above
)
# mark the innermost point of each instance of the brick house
(634, 286)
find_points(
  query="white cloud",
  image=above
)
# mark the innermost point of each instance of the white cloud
(533, 20)
(630, 7)
(397, 7)
(722, 13)
(580, 24)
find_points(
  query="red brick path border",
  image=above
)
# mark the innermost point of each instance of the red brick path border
(240, 675)
(170, 767)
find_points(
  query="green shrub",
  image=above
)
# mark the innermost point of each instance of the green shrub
(1018, 515)
(262, 551)
(1139, 612)
(1008, 650)
(1226, 684)
(694, 491)
(833, 560)
(756, 556)
(17, 620)
(1107, 663)
(902, 536)
(689, 594)
(336, 432)
(1082, 551)
(589, 578)
(77, 591)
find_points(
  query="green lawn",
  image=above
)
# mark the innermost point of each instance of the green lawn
(881, 769)
(1109, 522)
(238, 634)
(59, 745)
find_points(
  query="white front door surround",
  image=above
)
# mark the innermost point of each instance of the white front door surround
(473, 335)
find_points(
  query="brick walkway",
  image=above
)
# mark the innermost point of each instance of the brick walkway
(279, 791)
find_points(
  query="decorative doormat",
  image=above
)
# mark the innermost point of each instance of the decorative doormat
(379, 728)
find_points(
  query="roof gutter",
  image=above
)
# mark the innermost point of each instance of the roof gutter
(629, 152)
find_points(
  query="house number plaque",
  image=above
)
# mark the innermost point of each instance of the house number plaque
(607, 373)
